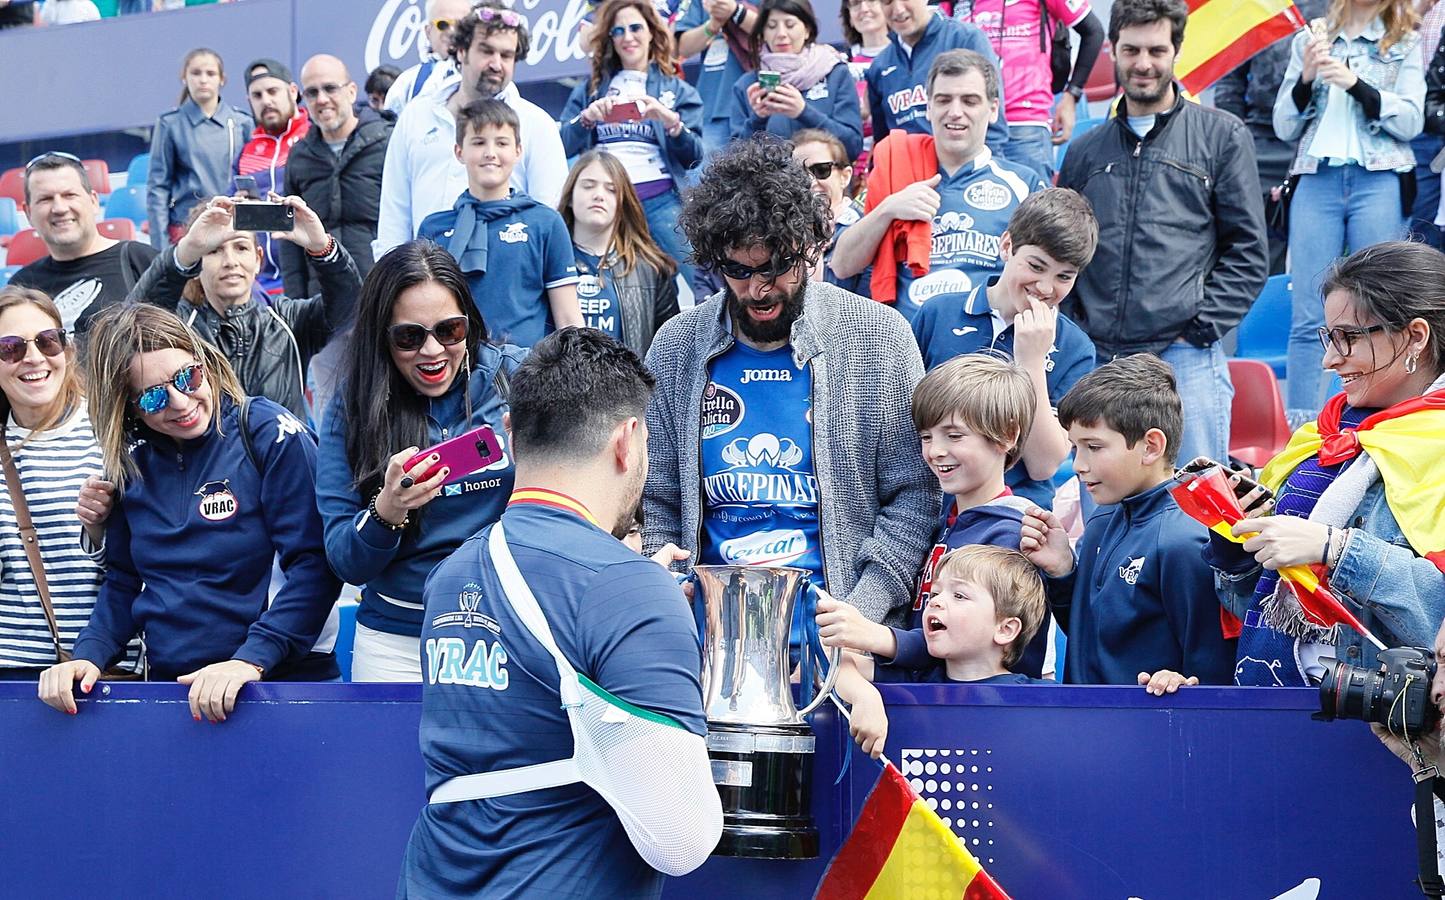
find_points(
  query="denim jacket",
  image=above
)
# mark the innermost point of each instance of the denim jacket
(1399, 76)
(682, 153)
(1396, 593)
(191, 160)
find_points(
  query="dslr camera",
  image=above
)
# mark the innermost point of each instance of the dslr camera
(1395, 694)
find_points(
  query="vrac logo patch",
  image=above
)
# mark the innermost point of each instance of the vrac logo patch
(217, 502)
(515, 233)
(1130, 572)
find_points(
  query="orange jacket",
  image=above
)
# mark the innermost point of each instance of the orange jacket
(899, 160)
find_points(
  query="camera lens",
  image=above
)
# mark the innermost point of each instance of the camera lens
(1395, 695)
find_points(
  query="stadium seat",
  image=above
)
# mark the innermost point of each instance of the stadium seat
(99, 174)
(116, 229)
(1264, 333)
(9, 216)
(25, 248)
(138, 170)
(12, 185)
(6, 272)
(128, 202)
(1257, 427)
(345, 636)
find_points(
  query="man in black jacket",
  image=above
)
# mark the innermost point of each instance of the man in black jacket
(336, 169)
(1182, 249)
(268, 340)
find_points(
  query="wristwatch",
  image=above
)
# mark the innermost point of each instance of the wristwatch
(1075, 91)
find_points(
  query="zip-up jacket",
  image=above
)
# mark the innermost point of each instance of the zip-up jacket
(682, 153)
(390, 565)
(192, 158)
(190, 545)
(1141, 597)
(831, 104)
(896, 95)
(344, 191)
(877, 498)
(264, 158)
(268, 340)
(1182, 249)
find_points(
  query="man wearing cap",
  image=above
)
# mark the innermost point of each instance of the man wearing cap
(423, 174)
(280, 124)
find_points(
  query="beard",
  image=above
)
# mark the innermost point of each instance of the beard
(772, 330)
(632, 492)
(1139, 95)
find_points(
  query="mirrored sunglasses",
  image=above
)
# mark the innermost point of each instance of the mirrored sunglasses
(156, 397)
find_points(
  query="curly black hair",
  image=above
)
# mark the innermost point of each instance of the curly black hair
(755, 193)
(465, 29)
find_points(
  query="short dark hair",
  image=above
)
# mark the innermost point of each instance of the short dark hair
(1394, 283)
(381, 79)
(961, 62)
(575, 386)
(801, 9)
(479, 113)
(1127, 13)
(754, 193)
(1059, 222)
(466, 28)
(1130, 395)
(50, 162)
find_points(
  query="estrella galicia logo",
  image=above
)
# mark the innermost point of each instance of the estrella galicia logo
(987, 195)
(217, 501)
(722, 410)
(466, 615)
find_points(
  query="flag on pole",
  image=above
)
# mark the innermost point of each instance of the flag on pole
(901, 850)
(1224, 33)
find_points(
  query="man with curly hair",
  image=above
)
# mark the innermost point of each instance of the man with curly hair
(780, 432)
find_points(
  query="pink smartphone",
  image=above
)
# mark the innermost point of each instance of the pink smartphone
(624, 112)
(463, 454)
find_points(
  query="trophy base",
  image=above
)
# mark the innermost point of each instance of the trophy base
(766, 796)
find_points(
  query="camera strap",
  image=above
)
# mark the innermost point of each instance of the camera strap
(1429, 880)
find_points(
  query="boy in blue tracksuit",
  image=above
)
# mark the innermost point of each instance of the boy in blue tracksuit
(1050, 238)
(516, 252)
(1139, 598)
(896, 78)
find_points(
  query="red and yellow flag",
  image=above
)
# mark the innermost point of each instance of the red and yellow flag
(901, 850)
(1224, 33)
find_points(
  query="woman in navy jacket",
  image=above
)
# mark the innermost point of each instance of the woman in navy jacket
(633, 62)
(212, 501)
(815, 90)
(418, 371)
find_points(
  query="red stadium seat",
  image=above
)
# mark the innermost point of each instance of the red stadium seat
(1257, 428)
(25, 248)
(116, 229)
(99, 174)
(12, 185)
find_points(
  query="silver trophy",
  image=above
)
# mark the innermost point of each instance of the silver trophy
(760, 743)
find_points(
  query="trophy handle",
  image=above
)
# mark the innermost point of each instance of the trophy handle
(835, 654)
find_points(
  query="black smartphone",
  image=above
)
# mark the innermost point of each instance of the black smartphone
(257, 216)
(246, 185)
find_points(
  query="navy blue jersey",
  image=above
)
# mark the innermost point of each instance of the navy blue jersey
(597, 294)
(490, 702)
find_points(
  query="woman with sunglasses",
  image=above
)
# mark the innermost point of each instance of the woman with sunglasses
(1359, 491)
(194, 147)
(822, 154)
(417, 372)
(627, 285)
(637, 107)
(212, 549)
(809, 84)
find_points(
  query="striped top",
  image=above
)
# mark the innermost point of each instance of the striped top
(52, 469)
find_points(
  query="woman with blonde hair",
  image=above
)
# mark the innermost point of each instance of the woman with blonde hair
(627, 285)
(213, 496)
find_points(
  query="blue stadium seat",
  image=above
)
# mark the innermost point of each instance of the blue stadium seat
(1080, 127)
(6, 272)
(128, 203)
(1264, 333)
(345, 637)
(9, 217)
(139, 168)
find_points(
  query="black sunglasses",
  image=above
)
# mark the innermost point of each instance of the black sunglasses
(1343, 339)
(822, 170)
(51, 342)
(739, 272)
(409, 336)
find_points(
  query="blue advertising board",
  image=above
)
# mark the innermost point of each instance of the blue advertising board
(1089, 793)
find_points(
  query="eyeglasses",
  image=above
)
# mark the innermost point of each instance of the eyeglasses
(859, 4)
(53, 154)
(506, 16)
(331, 90)
(823, 170)
(51, 342)
(1343, 339)
(617, 31)
(410, 336)
(739, 272)
(442, 25)
(156, 397)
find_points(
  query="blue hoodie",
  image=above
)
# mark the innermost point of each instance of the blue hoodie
(896, 79)
(392, 565)
(1141, 597)
(190, 545)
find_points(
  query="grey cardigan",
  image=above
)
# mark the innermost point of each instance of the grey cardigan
(879, 502)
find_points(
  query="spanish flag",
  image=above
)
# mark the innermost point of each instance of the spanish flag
(1224, 33)
(901, 850)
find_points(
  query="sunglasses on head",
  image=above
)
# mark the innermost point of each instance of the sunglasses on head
(51, 342)
(52, 154)
(617, 31)
(410, 336)
(739, 272)
(508, 18)
(823, 170)
(157, 397)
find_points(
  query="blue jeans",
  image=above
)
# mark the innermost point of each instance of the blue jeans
(662, 212)
(1427, 192)
(715, 135)
(1202, 376)
(1033, 146)
(1335, 210)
